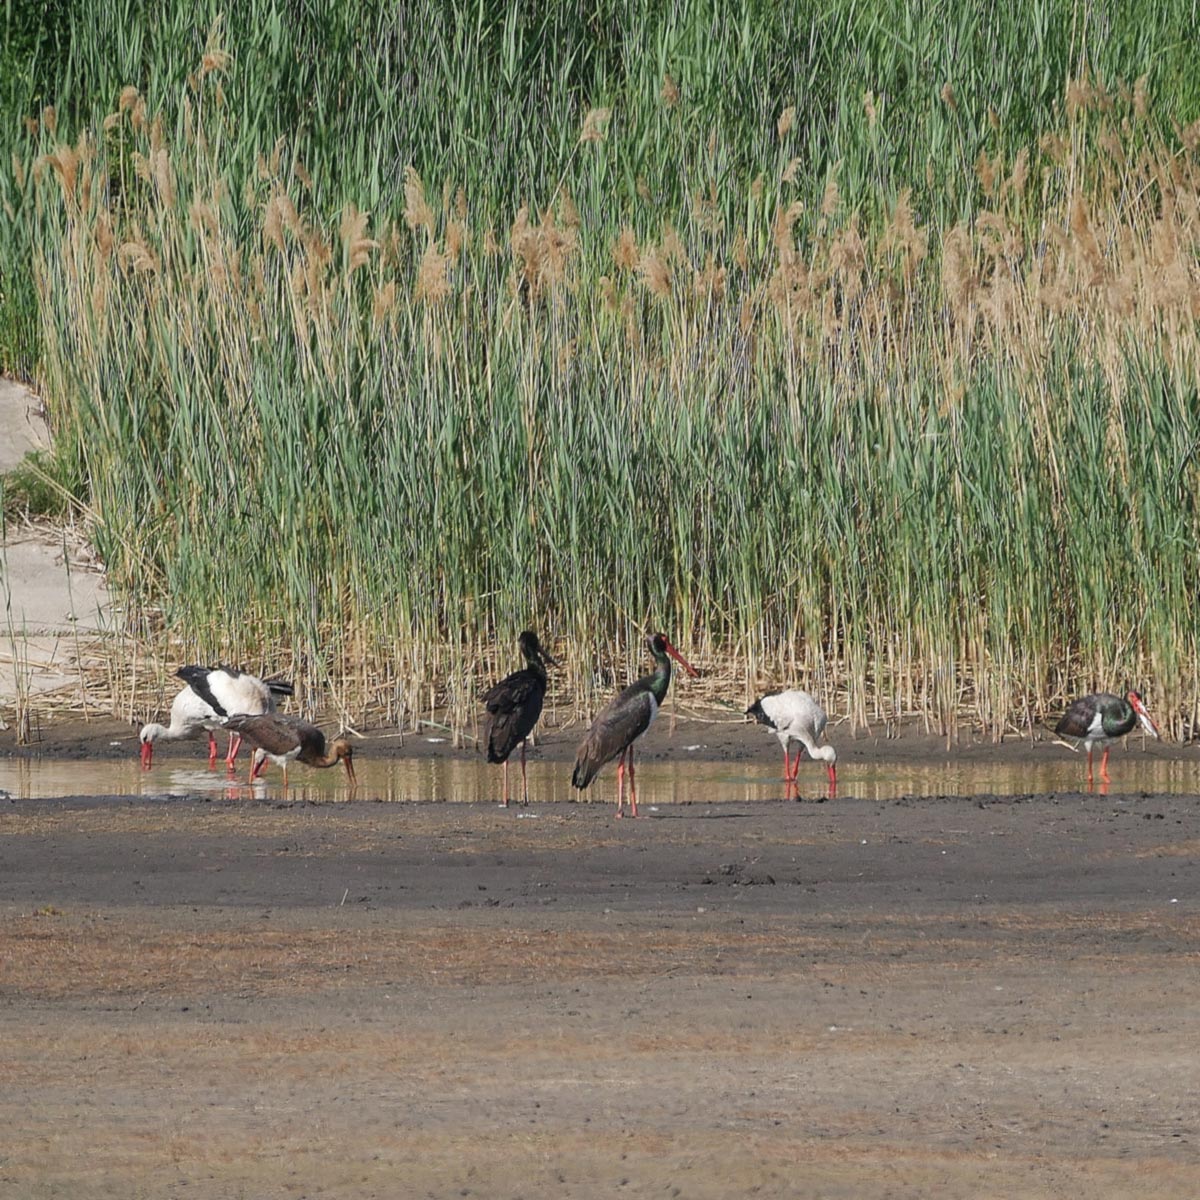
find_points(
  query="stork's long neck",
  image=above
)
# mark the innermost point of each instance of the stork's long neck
(808, 742)
(660, 680)
(172, 732)
(1118, 718)
(331, 757)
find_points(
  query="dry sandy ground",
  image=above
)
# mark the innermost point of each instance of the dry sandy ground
(936, 997)
(53, 599)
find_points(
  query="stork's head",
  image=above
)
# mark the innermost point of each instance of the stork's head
(828, 755)
(147, 737)
(1143, 716)
(343, 750)
(531, 648)
(660, 647)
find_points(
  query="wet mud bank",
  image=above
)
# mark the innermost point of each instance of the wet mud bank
(960, 996)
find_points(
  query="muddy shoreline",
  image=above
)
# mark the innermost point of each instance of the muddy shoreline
(955, 997)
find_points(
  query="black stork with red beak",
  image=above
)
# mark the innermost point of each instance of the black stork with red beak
(284, 739)
(514, 705)
(624, 719)
(1099, 719)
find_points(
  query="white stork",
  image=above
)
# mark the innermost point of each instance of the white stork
(794, 716)
(211, 695)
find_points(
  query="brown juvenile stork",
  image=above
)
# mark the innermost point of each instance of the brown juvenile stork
(624, 719)
(514, 705)
(1101, 718)
(284, 739)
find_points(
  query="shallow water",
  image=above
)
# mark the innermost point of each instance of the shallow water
(679, 780)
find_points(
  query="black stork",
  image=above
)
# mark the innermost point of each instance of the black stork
(213, 693)
(514, 705)
(1099, 719)
(624, 719)
(794, 716)
(284, 739)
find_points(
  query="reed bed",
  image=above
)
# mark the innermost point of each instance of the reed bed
(944, 467)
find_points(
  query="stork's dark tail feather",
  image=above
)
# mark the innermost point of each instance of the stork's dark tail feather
(502, 737)
(586, 767)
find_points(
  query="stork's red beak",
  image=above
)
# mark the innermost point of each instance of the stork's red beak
(147, 755)
(1142, 715)
(683, 662)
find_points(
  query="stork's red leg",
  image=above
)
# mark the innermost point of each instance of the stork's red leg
(504, 802)
(621, 784)
(212, 749)
(1104, 766)
(524, 777)
(235, 744)
(632, 787)
(1089, 750)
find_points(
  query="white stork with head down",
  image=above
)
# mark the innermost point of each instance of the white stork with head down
(211, 695)
(794, 716)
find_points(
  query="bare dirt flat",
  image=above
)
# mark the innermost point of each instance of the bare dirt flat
(955, 997)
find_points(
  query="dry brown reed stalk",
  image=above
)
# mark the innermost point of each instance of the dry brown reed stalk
(673, 249)
(625, 251)
(655, 274)
(417, 213)
(356, 246)
(544, 255)
(709, 282)
(456, 240)
(903, 238)
(433, 276)
(595, 125)
(559, 244)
